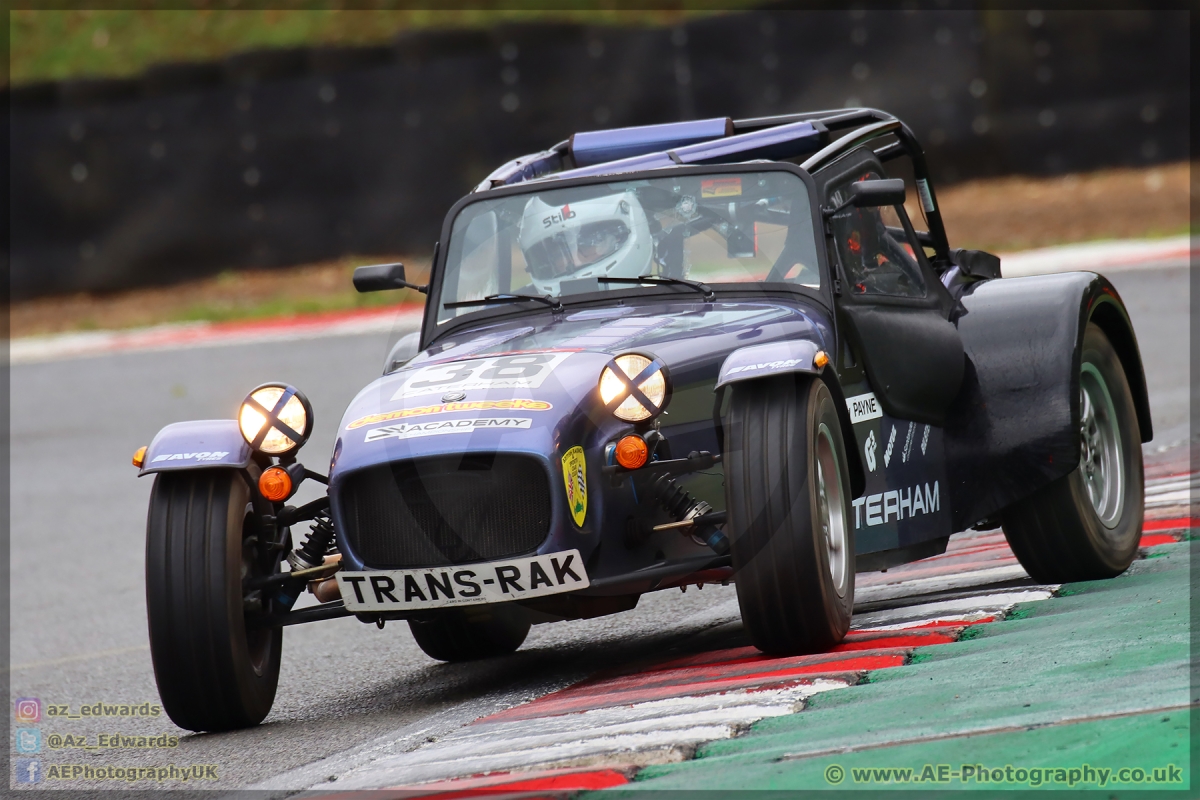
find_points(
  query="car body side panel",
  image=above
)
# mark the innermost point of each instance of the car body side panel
(1014, 427)
(197, 444)
(905, 500)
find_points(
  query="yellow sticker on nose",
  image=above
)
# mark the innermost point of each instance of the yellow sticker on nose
(575, 478)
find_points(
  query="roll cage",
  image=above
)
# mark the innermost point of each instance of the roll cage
(822, 137)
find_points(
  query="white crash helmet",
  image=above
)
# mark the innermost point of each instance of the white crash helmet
(604, 236)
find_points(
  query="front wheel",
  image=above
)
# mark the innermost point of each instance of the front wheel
(471, 633)
(213, 673)
(788, 501)
(1087, 525)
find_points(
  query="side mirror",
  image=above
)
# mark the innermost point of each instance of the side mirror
(382, 277)
(872, 194)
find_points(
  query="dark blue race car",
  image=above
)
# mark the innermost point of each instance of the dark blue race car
(653, 357)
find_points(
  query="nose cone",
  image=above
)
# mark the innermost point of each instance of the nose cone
(518, 403)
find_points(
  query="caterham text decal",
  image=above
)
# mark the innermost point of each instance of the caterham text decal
(494, 582)
(205, 456)
(863, 407)
(575, 477)
(444, 408)
(411, 430)
(896, 504)
(526, 371)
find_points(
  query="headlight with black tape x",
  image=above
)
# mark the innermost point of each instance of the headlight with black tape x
(275, 419)
(635, 388)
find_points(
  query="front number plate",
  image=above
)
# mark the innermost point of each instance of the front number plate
(469, 584)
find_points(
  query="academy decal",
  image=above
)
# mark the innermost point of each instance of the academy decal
(575, 477)
(887, 454)
(204, 456)
(869, 448)
(908, 443)
(896, 504)
(790, 362)
(925, 440)
(445, 408)
(721, 187)
(498, 372)
(863, 407)
(412, 430)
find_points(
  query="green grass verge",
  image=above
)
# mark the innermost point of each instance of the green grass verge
(57, 44)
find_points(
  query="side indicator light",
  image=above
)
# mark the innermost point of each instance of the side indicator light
(275, 484)
(820, 359)
(139, 457)
(632, 452)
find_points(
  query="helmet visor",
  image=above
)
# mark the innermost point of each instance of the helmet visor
(568, 251)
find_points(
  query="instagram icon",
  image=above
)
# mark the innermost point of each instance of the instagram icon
(28, 709)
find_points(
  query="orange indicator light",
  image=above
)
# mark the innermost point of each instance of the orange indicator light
(632, 452)
(275, 484)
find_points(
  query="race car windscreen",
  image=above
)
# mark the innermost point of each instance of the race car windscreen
(719, 229)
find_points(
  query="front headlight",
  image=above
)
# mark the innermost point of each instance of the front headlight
(275, 419)
(652, 388)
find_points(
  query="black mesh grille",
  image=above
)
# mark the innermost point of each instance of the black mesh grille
(438, 511)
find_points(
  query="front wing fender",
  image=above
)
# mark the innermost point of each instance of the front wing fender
(198, 444)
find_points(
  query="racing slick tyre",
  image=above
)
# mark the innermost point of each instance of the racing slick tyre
(468, 634)
(213, 673)
(788, 510)
(1087, 525)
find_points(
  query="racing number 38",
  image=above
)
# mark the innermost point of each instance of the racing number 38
(519, 371)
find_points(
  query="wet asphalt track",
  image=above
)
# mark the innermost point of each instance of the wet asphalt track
(78, 616)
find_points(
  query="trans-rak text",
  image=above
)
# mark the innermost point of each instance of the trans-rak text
(897, 504)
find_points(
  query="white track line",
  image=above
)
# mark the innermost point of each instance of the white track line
(1110, 256)
(35, 349)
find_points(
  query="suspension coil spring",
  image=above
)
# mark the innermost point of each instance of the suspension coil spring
(676, 501)
(316, 545)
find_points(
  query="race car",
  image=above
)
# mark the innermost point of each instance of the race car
(704, 352)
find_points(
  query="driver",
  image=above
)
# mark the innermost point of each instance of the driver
(605, 236)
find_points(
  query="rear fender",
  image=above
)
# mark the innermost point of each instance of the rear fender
(199, 444)
(771, 359)
(1014, 427)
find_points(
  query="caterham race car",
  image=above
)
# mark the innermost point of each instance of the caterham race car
(653, 357)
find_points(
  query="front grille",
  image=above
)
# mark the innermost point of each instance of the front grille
(447, 510)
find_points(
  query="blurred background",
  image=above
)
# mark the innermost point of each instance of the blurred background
(254, 156)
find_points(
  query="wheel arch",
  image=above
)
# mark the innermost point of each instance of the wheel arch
(1014, 426)
(759, 362)
(1109, 314)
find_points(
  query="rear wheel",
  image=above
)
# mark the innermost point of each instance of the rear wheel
(471, 633)
(213, 673)
(788, 502)
(1086, 525)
